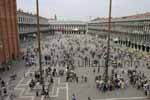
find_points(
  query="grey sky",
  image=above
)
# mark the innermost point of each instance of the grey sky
(83, 9)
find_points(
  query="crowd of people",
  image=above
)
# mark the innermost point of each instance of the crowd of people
(73, 52)
(64, 54)
(3, 89)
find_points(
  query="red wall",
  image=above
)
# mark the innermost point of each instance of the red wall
(8, 30)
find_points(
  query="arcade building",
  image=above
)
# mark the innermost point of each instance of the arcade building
(131, 31)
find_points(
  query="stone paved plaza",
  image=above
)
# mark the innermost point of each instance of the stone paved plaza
(62, 90)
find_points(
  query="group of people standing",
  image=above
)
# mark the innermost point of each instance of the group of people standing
(3, 89)
(68, 53)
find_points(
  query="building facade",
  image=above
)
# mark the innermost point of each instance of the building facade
(132, 31)
(9, 40)
(27, 24)
(68, 27)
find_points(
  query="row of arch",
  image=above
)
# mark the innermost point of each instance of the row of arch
(134, 45)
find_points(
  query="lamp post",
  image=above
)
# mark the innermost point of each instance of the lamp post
(108, 43)
(39, 48)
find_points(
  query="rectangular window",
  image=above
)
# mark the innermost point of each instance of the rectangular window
(21, 19)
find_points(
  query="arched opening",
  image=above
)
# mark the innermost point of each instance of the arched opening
(132, 45)
(136, 46)
(147, 49)
(143, 48)
(139, 47)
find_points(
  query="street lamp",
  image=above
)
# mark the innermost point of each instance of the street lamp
(39, 48)
(108, 43)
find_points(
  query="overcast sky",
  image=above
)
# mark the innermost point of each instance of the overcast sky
(84, 9)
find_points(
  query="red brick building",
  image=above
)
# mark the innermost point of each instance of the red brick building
(9, 38)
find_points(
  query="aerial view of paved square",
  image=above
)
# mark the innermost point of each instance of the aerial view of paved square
(67, 57)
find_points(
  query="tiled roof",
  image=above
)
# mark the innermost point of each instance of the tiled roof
(28, 14)
(136, 16)
(144, 15)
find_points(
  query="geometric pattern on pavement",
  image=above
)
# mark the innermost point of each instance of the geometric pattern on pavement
(23, 92)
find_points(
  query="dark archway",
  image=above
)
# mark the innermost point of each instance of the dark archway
(143, 48)
(139, 47)
(147, 49)
(132, 45)
(126, 43)
(136, 46)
